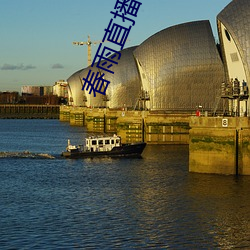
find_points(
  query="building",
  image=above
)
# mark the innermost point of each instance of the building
(9, 97)
(38, 95)
(37, 90)
(60, 89)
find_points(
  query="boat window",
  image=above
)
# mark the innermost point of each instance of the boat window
(112, 141)
(117, 141)
(107, 142)
(100, 142)
(94, 142)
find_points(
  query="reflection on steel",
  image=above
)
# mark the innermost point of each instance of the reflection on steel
(82, 98)
(236, 18)
(180, 67)
(76, 95)
(123, 90)
(99, 100)
(234, 33)
(125, 84)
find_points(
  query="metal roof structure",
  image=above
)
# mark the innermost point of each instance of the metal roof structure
(76, 95)
(234, 33)
(125, 85)
(180, 67)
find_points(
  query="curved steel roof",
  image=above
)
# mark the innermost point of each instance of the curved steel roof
(125, 84)
(90, 100)
(236, 18)
(180, 67)
(76, 95)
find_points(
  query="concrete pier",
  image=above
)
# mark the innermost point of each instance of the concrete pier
(64, 114)
(132, 126)
(219, 145)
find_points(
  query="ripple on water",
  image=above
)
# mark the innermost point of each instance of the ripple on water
(145, 203)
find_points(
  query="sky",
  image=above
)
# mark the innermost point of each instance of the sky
(36, 35)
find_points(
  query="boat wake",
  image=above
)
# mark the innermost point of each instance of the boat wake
(26, 154)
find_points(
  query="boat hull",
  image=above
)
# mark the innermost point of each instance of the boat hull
(126, 150)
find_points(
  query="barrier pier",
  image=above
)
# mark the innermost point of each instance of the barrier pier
(132, 126)
(219, 145)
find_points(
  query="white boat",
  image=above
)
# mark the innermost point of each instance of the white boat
(103, 146)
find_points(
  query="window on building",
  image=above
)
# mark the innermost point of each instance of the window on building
(227, 35)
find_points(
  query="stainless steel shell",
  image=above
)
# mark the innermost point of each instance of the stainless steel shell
(125, 85)
(76, 96)
(180, 67)
(236, 18)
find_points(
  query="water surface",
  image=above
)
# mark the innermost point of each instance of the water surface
(148, 203)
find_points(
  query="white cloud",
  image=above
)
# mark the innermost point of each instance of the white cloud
(21, 66)
(57, 66)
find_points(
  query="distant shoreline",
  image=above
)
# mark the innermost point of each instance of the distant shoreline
(24, 111)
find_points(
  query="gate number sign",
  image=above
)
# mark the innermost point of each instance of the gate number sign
(224, 123)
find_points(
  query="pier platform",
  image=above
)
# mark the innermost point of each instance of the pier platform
(25, 111)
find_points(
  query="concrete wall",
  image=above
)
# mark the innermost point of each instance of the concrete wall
(132, 126)
(64, 114)
(219, 145)
(167, 129)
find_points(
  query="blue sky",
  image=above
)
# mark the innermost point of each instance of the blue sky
(36, 35)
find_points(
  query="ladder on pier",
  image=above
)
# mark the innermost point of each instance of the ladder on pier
(217, 101)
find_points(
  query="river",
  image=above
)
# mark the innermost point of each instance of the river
(48, 202)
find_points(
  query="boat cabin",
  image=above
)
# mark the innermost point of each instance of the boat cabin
(105, 143)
